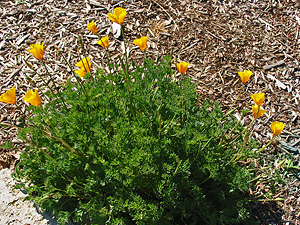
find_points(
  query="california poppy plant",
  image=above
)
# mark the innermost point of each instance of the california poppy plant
(258, 98)
(103, 42)
(277, 127)
(245, 75)
(32, 97)
(118, 16)
(141, 42)
(257, 111)
(9, 96)
(182, 67)
(37, 50)
(92, 27)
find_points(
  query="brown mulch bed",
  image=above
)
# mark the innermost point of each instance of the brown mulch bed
(261, 36)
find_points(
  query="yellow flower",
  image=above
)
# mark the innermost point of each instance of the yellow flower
(142, 42)
(9, 96)
(182, 67)
(82, 72)
(32, 97)
(258, 98)
(245, 75)
(277, 127)
(103, 42)
(37, 50)
(92, 27)
(118, 16)
(256, 110)
(84, 63)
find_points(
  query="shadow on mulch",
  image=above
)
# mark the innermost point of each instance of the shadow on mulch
(267, 212)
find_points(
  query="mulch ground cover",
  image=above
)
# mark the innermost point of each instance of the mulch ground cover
(226, 36)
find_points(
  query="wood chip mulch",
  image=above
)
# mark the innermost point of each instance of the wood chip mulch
(262, 36)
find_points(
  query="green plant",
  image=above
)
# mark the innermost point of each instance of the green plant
(97, 163)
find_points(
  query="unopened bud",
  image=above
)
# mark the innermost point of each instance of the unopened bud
(57, 48)
(28, 64)
(79, 40)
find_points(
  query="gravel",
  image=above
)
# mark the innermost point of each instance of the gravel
(13, 208)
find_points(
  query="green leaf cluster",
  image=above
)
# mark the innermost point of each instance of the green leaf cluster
(169, 163)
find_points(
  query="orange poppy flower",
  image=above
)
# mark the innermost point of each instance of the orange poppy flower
(245, 75)
(258, 98)
(37, 50)
(118, 16)
(92, 27)
(103, 42)
(182, 67)
(32, 97)
(82, 71)
(142, 42)
(277, 127)
(9, 96)
(257, 111)
(84, 63)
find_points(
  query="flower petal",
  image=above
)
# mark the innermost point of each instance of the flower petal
(245, 75)
(258, 98)
(37, 50)
(142, 42)
(9, 96)
(182, 67)
(32, 97)
(118, 16)
(277, 127)
(92, 27)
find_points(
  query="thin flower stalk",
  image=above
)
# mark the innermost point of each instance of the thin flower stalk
(48, 118)
(109, 66)
(125, 68)
(57, 90)
(74, 74)
(243, 131)
(126, 58)
(235, 101)
(128, 89)
(203, 69)
(84, 54)
(32, 68)
(238, 155)
(104, 42)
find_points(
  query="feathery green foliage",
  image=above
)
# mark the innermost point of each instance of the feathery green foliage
(96, 163)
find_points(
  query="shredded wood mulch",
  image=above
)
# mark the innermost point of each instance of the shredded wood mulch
(229, 36)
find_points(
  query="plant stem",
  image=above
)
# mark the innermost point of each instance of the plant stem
(125, 68)
(235, 101)
(46, 114)
(205, 64)
(57, 90)
(183, 108)
(234, 138)
(270, 142)
(126, 58)
(31, 67)
(83, 50)
(74, 74)
(109, 66)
